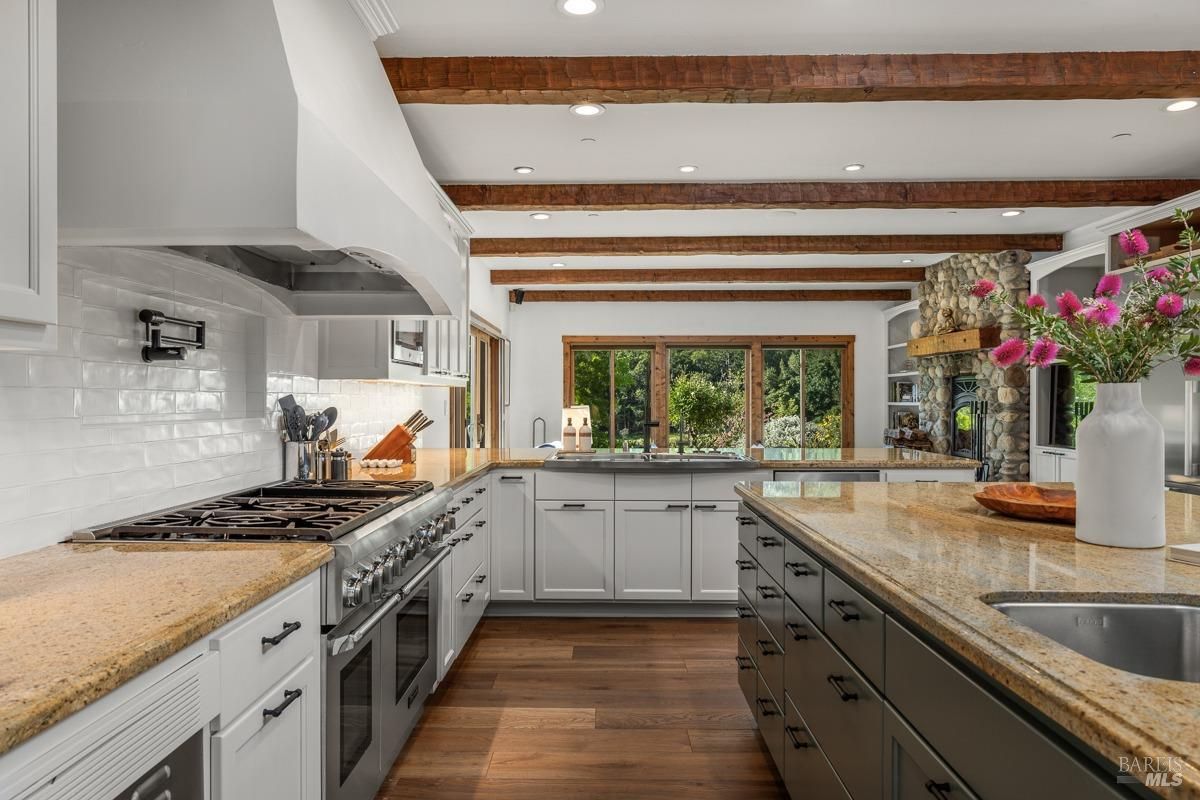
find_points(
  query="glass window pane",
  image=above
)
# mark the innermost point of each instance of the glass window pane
(706, 400)
(632, 371)
(592, 389)
(802, 397)
(822, 398)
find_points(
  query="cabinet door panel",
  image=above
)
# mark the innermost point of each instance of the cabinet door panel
(653, 551)
(714, 551)
(573, 542)
(911, 771)
(1068, 468)
(511, 534)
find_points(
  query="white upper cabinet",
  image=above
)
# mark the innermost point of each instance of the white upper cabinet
(28, 164)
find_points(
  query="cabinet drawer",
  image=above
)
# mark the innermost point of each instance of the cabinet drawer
(855, 624)
(550, 485)
(768, 657)
(935, 696)
(797, 628)
(748, 525)
(806, 771)
(769, 716)
(470, 550)
(654, 487)
(747, 620)
(719, 486)
(747, 572)
(469, 604)
(910, 769)
(842, 711)
(268, 644)
(747, 674)
(770, 547)
(768, 604)
(468, 504)
(803, 579)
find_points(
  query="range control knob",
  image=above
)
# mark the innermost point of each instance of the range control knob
(356, 588)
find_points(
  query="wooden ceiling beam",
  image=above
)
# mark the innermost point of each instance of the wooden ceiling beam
(541, 80)
(706, 295)
(815, 195)
(559, 277)
(762, 245)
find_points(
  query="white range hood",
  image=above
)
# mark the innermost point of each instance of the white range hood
(260, 135)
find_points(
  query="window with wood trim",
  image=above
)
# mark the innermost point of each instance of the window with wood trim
(713, 392)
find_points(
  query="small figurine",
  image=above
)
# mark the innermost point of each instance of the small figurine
(945, 322)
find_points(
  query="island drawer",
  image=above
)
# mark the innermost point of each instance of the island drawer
(855, 624)
(747, 619)
(803, 579)
(769, 550)
(768, 657)
(796, 625)
(769, 716)
(910, 768)
(747, 569)
(843, 711)
(748, 525)
(747, 674)
(935, 696)
(806, 771)
(768, 603)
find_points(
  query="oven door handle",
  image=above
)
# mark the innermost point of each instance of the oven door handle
(340, 644)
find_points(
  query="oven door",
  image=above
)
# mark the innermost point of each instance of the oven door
(353, 727)
(409, 668)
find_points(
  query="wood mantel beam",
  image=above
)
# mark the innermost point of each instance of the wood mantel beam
(541, 80)
(563, 277)
(815, 195)
(762, 245)
(706, 295)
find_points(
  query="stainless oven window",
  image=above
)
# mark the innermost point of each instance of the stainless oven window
(412, 641)
(357, 723)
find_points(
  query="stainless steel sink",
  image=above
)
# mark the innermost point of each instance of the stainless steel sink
(1159, 641)
(659, 460)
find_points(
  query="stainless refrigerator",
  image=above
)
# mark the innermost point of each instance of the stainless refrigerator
(1175, 400)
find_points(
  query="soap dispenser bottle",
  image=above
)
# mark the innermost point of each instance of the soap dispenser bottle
(570, 441)
(585, 436)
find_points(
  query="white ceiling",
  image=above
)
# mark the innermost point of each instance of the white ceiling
(694, 27)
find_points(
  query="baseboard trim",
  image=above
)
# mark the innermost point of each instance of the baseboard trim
(615, 608)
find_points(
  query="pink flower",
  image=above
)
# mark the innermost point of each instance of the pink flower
(1044, 351)
(1103, 312)
(983, 288)
(1009, 353)
(1192, 366)
(1035, 301)
(1159, 275)
(1068, 305)
(1169, 305)
(1133, 242)
(1109, 286)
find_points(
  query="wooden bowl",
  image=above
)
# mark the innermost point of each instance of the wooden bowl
(1028, 501)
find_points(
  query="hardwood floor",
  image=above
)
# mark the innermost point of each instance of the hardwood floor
(589, 708)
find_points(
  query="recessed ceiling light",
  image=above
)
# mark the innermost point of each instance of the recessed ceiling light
(906, 261)
(1120, 136)
(1183, 105)
(539, 216)
(852, 167)
(688, 168)
(522, 170)
(1011, 213)
(580, 8)
(558, 264)
(587, 109)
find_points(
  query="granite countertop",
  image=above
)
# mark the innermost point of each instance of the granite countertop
(857, 458)
(931, 552)
(73, 630)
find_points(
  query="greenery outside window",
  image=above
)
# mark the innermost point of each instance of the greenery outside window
(615, 385)
(802, 397)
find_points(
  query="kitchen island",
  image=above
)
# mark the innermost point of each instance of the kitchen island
(930, 561)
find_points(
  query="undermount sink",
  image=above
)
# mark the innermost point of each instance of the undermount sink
(652, 460)
(1155, 640)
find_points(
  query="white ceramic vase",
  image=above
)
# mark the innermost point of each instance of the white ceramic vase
(1120, 492)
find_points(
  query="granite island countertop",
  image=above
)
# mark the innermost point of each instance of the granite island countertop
(931, 553)
(857, 458)
(79, 620)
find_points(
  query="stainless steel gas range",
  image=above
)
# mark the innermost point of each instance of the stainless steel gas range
(379, 612)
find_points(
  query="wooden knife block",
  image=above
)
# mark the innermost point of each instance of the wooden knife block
(396, 445)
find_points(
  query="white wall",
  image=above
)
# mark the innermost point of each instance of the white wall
(92, 434)
(537, 329)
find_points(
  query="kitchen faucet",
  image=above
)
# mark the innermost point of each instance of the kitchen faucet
(646, 434)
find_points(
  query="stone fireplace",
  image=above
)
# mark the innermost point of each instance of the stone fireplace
(969, 406)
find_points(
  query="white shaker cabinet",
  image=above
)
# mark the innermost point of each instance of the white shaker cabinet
(653, 550)
(1050, 465)
(28, 164)
(714, 549)
(512, 535)
(574, 550)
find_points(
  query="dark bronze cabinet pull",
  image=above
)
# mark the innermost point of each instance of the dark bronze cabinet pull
(744, 662)
(574, 505)
(840, 607)
(288, 629)
(511, 478)
(792, 730)
(454, 509)
(767, 707)
(939, 790)
(481, 579)
(769, 541)
(746, 521)
(797, 631)
(799, 569)
(836, 682)
(766, 648)
(743, 612)
(744, 564)
(768, 592)
(678, 506)
(289, 697)
(466, 501)
(481, 523)
(481, 490)
(466, 537)
(467, 597)
(705, 507)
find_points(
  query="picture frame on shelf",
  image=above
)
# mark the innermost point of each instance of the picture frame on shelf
(904, 392)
